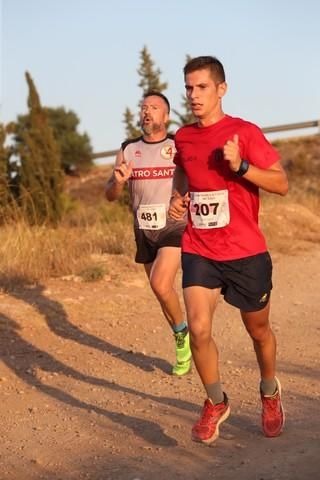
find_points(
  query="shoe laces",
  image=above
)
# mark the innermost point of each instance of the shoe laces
(272, 404)
(208, 413)
(180, 339)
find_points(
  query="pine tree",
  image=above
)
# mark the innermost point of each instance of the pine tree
(149, 80)
(150, 76)
(40, 175)
(132, 130)
(75, 148)
(4, 175)
(186, 116)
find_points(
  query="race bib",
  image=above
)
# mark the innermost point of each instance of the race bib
(209, 209)
(151, 217)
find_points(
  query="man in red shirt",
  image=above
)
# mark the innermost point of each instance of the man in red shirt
(222, 162)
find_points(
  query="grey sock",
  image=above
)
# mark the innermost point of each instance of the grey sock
(268, 387)
(214, 392)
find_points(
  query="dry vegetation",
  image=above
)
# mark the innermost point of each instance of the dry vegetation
(292, 223)
(93, 227)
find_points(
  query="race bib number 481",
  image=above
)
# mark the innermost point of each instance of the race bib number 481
(209, 209)
(151, 217)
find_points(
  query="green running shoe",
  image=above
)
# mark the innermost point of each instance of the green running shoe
(183, 354)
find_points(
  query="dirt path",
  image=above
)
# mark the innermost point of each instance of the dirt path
(86, 391)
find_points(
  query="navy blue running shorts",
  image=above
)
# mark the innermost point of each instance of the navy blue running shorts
(245, 283)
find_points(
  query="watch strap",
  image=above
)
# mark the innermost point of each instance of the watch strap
(244, 166)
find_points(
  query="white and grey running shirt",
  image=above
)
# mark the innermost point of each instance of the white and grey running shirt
(150, 185)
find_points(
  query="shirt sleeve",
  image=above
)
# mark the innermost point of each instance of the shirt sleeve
(259, 150)
(177, 157)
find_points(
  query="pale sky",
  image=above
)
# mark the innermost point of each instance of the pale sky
(84, 55)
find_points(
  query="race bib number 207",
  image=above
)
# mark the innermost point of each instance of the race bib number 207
(209, 209)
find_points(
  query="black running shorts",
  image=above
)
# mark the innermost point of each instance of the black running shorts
(148, 243)
(245, 283)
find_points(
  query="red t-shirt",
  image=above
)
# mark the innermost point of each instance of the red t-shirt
(236, 233)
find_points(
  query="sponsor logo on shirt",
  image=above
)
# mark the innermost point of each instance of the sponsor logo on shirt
(191, 158)
(137, 154)
(168, 151)
(152, 173)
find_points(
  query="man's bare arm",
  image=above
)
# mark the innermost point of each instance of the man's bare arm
(118, 178)
(180, 196)
(272, 179)
(180, 182)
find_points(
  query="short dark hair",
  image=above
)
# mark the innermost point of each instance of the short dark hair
(211, 63)
(155, 93)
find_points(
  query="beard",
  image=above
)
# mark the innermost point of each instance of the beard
(151, 128)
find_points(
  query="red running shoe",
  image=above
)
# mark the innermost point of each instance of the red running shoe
(206, 430)
(272, 413)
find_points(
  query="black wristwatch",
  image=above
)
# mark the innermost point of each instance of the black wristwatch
(244, 165)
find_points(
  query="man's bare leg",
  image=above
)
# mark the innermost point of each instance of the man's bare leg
(200, 304)
(162, 273)
(264, 342)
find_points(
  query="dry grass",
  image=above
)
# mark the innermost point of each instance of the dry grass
(292, 223)
(289, 227)
(93, 227)
(32, 254)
